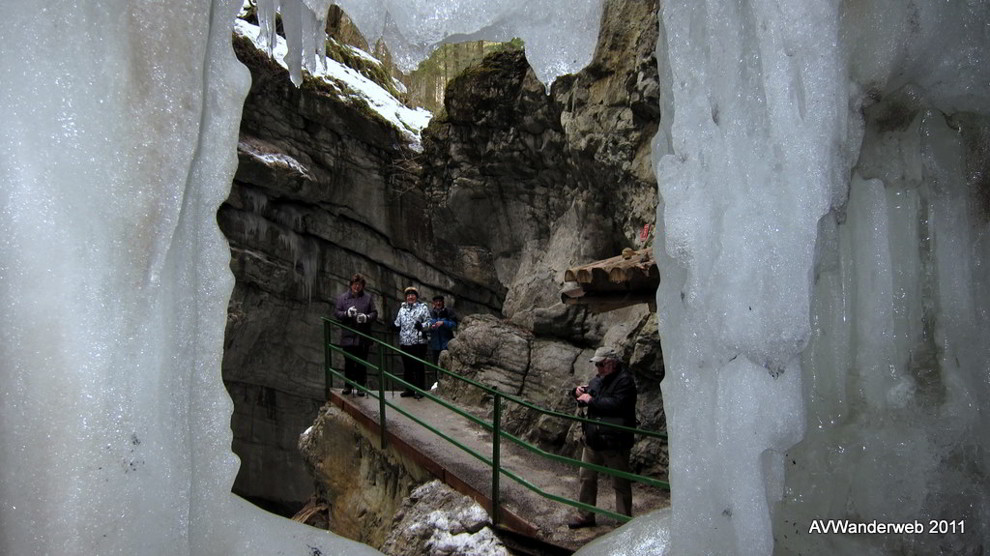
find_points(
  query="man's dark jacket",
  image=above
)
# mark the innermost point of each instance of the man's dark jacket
(613, 400)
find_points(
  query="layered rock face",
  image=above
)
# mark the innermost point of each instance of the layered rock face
(323, 189)
(364, 485)
(373, 495)
(558, 180)
(512, 186)
(544, 371)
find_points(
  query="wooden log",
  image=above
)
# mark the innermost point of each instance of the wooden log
(601, 303)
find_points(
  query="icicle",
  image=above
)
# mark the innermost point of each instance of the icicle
(266, 22)
(320, 9)
(292, 24)
(304, 23)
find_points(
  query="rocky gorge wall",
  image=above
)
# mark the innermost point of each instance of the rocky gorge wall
(512, 186)
(320, 192)
(384, 499)
(559, 179)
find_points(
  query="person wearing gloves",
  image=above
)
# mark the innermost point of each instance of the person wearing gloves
(356, 309)
(443, 321)
(411, 321)
(610, 397)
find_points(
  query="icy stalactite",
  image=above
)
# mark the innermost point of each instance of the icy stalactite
(897, 416)
(757, 131)
(304, 23)
(116, 154)
(560, 35)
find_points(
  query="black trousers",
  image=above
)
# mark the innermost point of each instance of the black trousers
(412, 369)
(352, 369)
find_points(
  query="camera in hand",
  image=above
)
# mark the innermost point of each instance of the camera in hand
(578, 392)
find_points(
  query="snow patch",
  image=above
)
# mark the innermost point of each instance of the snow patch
(409, 121)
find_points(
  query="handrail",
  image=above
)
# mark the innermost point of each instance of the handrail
(492, 391)
(494, 427)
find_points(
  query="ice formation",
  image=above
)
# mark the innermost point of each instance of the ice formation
(560, 35)
(118, 146)
(823, 309)
(824, 306)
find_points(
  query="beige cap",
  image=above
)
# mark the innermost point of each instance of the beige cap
(604, 353)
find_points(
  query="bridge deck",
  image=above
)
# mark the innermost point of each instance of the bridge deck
(523, 510)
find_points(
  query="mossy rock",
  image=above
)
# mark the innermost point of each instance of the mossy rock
(368, 68)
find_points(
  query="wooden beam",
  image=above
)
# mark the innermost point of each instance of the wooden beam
(601, 303)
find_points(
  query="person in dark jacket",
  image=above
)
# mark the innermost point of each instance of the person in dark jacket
(356, 309)
(610, 397)
(443, 321)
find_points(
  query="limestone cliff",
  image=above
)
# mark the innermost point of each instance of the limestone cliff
(386, 500)
(557, 180)
(512, 186)
(543, 370)
(323, 189)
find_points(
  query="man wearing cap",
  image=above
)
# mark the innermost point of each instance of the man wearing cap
(611, 398)
(411, 321)
(356, 309)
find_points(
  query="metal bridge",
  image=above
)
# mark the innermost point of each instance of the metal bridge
(463, 448)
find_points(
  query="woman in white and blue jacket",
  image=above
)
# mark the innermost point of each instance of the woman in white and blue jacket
(411, 321)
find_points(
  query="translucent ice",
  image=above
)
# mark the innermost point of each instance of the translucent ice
(560, 35)
(118, 145)
(823, 172)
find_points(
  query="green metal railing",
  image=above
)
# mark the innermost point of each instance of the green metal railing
(387, 353)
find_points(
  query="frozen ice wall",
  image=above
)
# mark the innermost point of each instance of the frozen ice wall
(118, 144)
(824, 306)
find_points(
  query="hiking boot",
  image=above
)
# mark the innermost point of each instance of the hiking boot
(418, 396)
(581, 522)
(360, 393)
(346, 391)
(406, 393)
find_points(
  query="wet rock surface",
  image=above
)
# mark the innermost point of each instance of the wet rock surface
(436, 520)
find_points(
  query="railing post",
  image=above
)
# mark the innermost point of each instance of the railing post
(381, 393)
(327, 355)
(496, 466)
